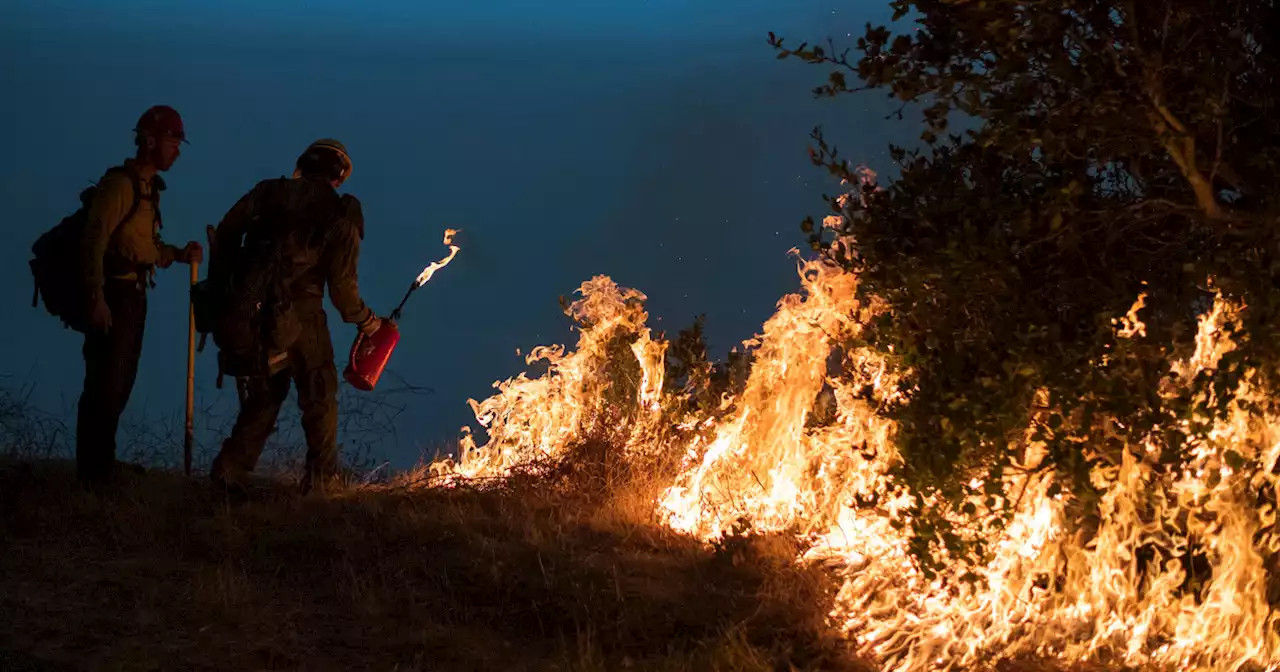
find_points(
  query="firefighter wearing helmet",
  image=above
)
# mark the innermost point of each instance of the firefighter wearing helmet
(120, 248)
(313, 235)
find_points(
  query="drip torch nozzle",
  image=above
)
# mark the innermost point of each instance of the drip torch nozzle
(395, 314)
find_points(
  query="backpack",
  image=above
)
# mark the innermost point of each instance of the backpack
(56, 264)
(250, 312)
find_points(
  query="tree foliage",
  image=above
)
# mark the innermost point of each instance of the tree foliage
(695, 379)
(1113, 148)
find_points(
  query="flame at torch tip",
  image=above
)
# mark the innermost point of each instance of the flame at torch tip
(434, 266)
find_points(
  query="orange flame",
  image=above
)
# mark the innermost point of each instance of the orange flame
(434, 266)
(1050, 591)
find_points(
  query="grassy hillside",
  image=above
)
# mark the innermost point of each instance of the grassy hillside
(163, 575)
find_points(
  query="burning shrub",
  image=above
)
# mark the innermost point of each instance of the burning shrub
(1082, 475)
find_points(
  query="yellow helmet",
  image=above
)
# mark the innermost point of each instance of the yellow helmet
(329, 145)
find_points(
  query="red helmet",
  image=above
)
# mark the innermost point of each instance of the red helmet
(160, 121)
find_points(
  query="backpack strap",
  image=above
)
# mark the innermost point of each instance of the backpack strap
(136, 181)
(157, 185)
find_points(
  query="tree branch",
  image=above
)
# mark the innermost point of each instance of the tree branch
(1172, 133)
(1180, 144)
(1182, 149)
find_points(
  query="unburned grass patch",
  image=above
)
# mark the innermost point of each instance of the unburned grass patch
(161, 574)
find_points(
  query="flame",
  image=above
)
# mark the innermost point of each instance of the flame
(1116, 594)
(533, 418)
(434, 266)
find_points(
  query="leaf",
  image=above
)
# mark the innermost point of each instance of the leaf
(1003, 253)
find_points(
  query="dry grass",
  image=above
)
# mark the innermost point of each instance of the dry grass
(523, 575)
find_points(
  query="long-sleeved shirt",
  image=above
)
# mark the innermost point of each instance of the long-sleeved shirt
(117, 248)
(338, 240)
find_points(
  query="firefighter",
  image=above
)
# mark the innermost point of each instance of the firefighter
(334, 227)
(119, 254)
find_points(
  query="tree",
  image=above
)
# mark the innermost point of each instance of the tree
(1117, 148)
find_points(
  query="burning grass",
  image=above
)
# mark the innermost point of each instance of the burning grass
(544, 571)
(1173, 571)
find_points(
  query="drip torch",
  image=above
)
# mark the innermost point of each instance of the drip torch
(370, 354)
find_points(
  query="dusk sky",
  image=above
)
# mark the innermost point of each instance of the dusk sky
(660, 143)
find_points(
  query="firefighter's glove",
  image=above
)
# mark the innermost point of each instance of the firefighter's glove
(191, 254)
(371, 325)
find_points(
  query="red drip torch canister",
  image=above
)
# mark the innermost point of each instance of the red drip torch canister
(369, 356)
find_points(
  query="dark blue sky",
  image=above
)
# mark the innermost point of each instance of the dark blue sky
(657, 142)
